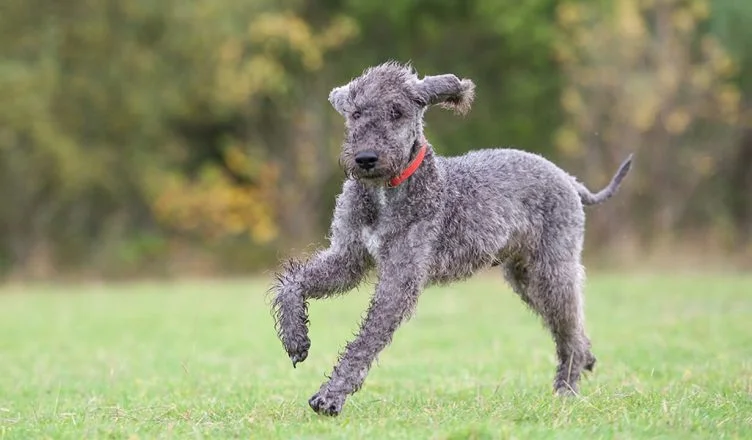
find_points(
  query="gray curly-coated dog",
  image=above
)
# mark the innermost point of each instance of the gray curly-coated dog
(421, 219)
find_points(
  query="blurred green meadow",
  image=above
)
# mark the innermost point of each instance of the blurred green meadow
(201, 360)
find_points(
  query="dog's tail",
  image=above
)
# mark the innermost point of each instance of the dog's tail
(588, 198)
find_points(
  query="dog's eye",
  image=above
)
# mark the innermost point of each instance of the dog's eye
(395, 113)
(355, 114)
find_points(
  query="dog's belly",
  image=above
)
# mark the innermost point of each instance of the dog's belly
(458, 264)
(448, 264)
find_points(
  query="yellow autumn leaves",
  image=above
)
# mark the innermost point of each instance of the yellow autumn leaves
(213, 206)
(249, 65)
(638, 67)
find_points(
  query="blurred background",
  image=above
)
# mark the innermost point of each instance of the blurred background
(148, 138)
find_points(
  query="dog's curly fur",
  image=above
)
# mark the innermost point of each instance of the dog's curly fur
(452, 217)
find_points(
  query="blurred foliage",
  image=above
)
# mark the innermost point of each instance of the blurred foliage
(664, 94)
(135, 133)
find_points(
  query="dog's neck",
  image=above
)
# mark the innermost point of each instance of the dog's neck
(418, 180)
(415, 159)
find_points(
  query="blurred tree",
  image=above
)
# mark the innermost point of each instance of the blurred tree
(247, 113)
(643, 76)
(122, 117)
(731, 22)
(132, 130)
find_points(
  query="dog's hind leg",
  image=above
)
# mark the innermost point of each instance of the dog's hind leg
(553, 290)
(516, 275)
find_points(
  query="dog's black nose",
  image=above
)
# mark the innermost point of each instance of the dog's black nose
(366, 159)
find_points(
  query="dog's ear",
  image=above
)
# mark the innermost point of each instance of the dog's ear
(447, 91)
(338, 96)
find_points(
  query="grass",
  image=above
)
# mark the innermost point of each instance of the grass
(201, 360)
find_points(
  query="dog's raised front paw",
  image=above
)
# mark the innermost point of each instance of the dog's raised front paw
(326, 404)
(298, 350)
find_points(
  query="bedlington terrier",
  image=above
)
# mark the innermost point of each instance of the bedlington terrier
(420, 219)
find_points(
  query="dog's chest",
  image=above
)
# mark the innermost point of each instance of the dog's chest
(371, 240)
(371, 234)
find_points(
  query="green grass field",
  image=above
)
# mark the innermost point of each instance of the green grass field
(201, 360)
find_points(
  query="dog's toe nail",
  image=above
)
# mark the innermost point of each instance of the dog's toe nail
(298, 358)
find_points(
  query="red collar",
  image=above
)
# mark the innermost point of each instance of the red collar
(411, 168)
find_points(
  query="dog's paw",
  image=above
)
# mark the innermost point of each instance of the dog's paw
(563, 389)
(326, 404)
(297, 349)
(590, 362)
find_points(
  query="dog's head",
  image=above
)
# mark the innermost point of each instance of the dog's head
(383, 110)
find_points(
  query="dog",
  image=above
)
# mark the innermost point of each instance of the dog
(420, 219)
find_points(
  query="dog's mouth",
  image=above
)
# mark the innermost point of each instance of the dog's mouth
(372, 178)
(372, 175)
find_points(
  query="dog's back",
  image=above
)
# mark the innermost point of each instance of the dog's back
(497, 203)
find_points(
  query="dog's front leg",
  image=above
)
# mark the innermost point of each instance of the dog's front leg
(334, 270)
(402, 275)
